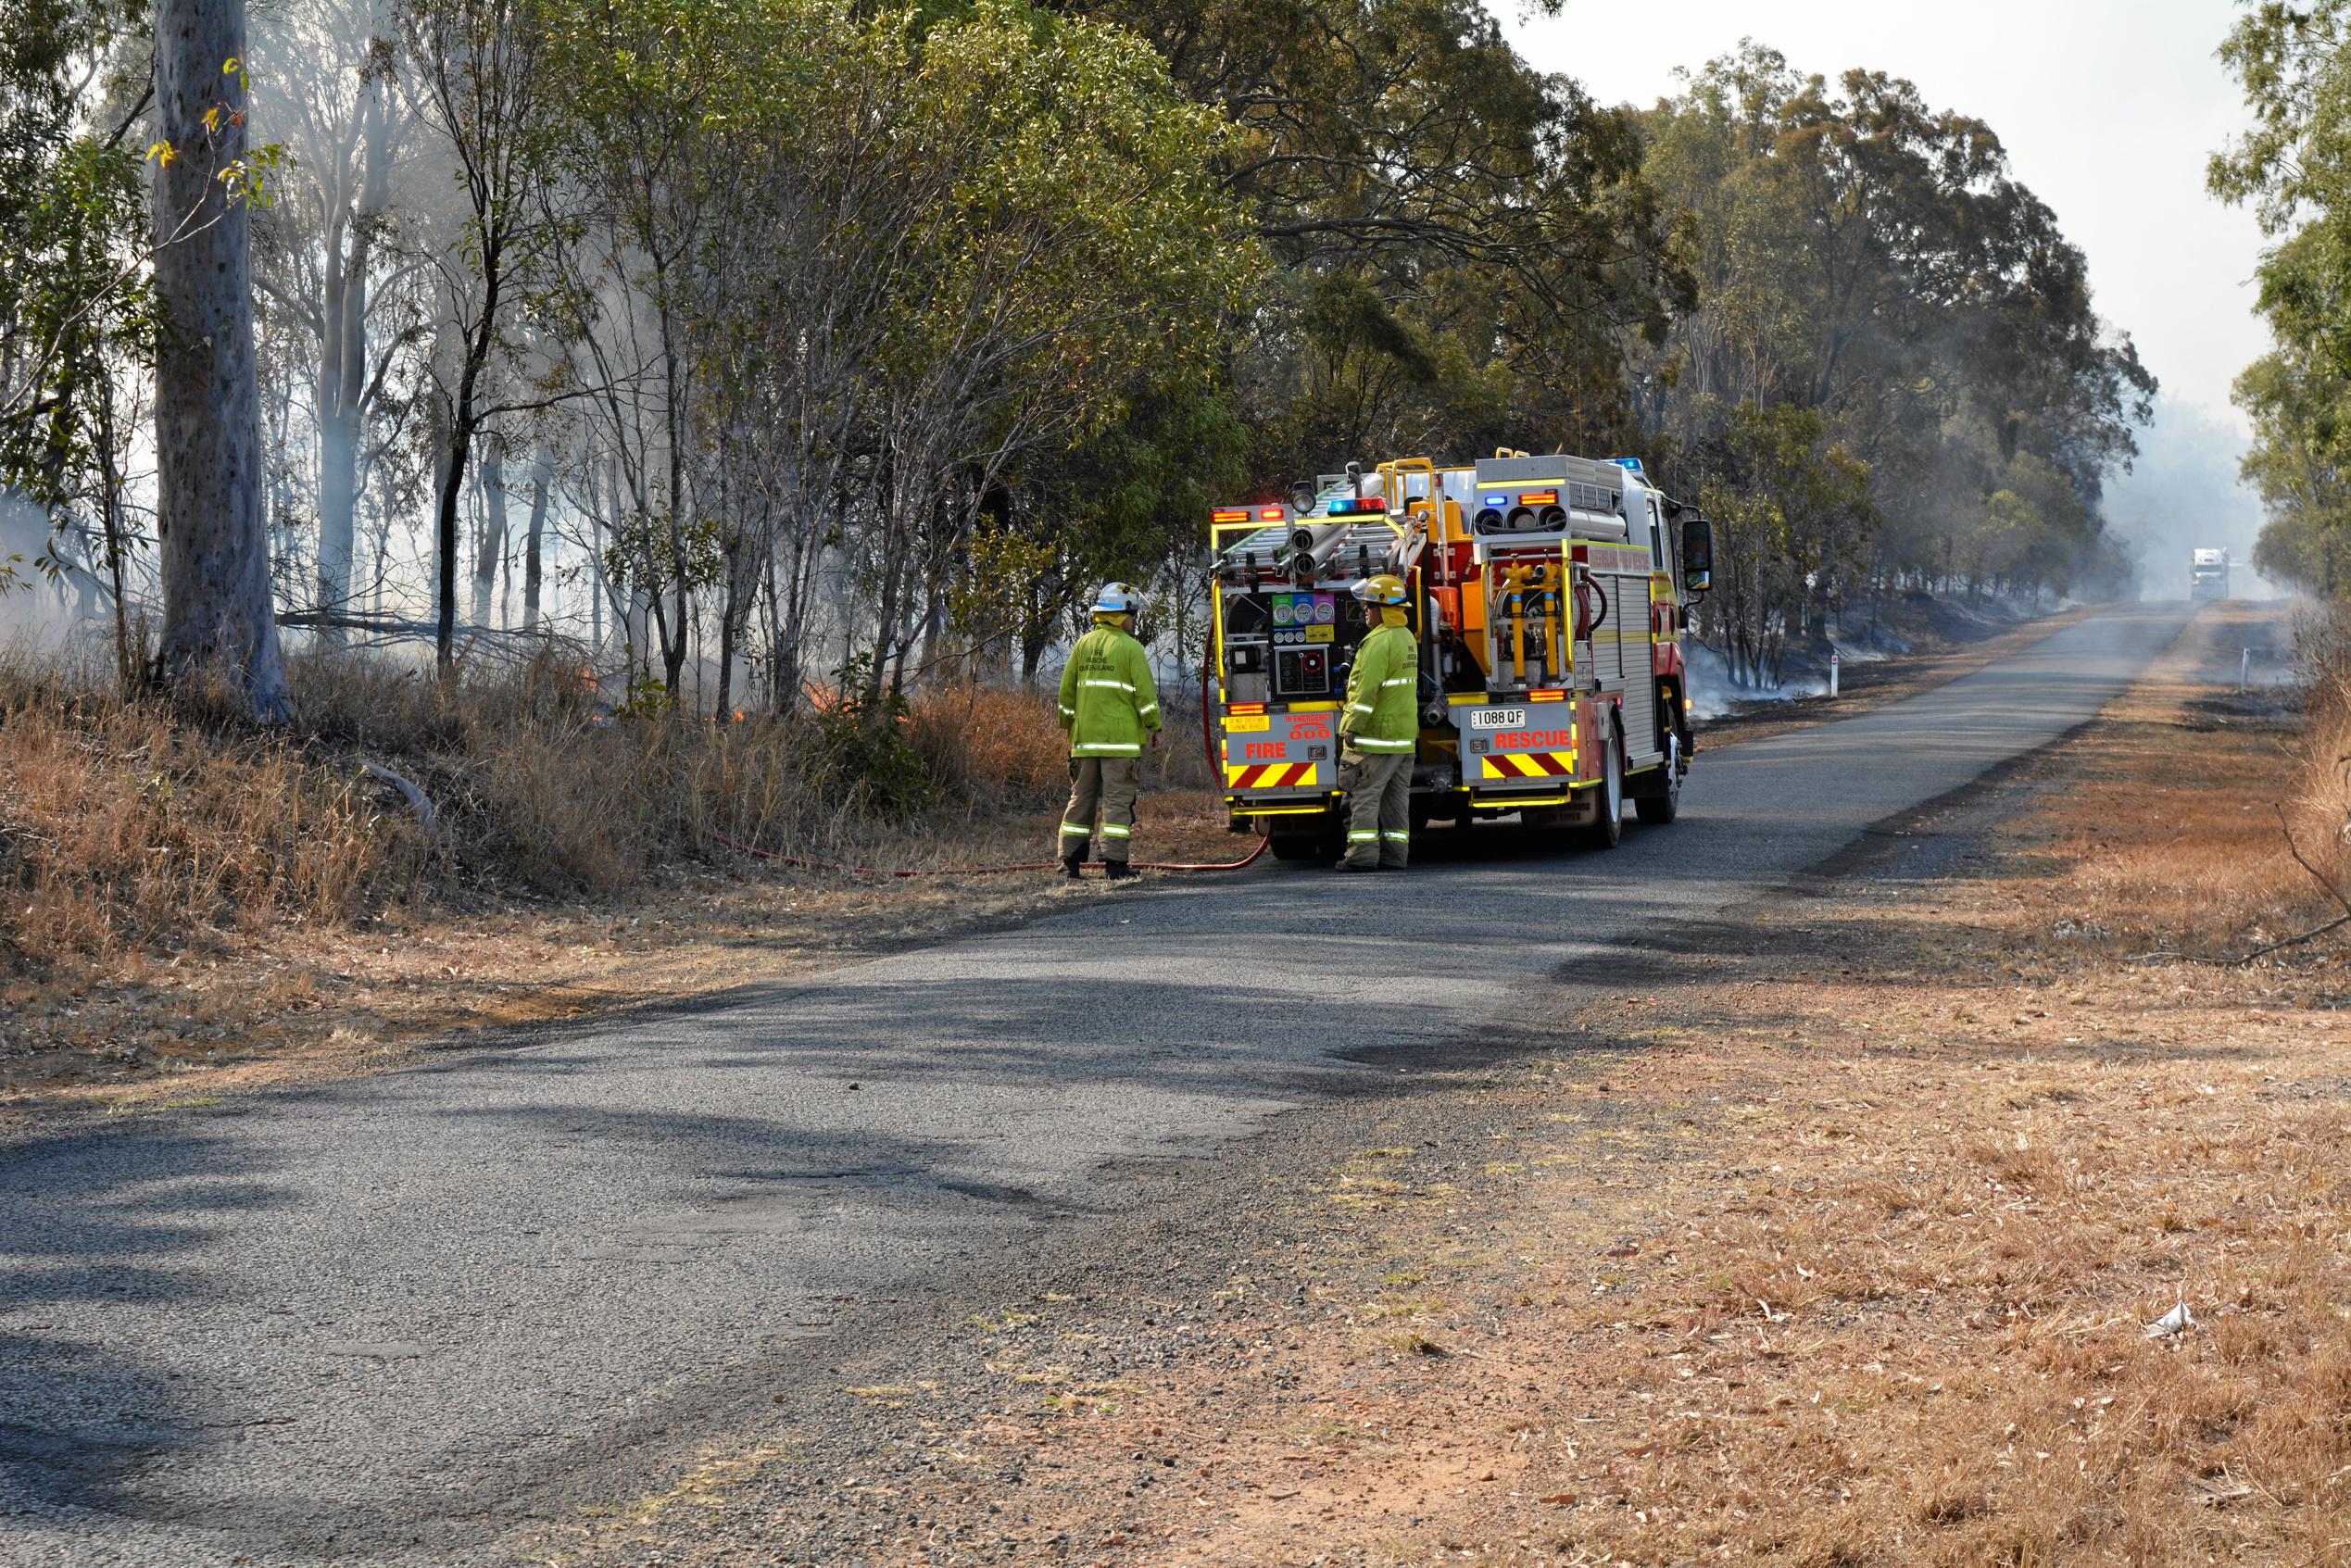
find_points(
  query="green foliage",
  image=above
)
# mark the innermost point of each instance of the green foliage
(1868, 262)
(1462, 242)
(864, 761)
(2294, 170)
(75, 310)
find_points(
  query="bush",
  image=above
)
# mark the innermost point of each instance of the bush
(991, 744)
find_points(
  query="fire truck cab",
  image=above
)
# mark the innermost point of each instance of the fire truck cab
(1546, 594)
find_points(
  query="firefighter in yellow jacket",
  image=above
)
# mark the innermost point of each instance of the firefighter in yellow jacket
(1379, 732)
(1110, 706)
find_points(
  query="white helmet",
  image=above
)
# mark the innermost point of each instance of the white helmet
(1117, 598)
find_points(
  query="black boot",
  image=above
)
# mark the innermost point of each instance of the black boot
(1072, 866)
(1118, 870)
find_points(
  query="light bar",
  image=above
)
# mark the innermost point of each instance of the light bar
(1246, 707)
(1358, 506)
(1539, 498)
(1546, 697)
(1230, 514)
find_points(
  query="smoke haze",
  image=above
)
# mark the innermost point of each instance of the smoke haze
(2182, 494)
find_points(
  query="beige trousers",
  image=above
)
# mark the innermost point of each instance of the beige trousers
(1380, 801)
(1110, 784)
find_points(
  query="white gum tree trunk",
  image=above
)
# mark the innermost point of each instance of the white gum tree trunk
(217, 608)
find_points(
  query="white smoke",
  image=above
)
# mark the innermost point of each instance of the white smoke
(2183, 495)
(46, 612)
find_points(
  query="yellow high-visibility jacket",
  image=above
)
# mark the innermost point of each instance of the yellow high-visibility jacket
(1109, 704)
(1383, 697)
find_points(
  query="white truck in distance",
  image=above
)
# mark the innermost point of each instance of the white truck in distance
(2208, 574)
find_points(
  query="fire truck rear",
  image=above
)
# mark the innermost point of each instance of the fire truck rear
(1547, 595)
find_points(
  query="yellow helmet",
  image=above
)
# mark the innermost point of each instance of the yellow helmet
(1386, 588)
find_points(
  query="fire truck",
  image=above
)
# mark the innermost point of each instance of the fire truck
(1548, 596)
(2208, 574)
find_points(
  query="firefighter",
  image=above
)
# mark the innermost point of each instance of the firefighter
(1111, 709)
(1379, 732)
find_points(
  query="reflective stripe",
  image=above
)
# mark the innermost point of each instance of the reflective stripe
(1364, 743)
(1106, 750)
(1361, 707)
(1394, 837)
(1109, 831)
(1400, 680)
(1363, 838)
(1111, 686)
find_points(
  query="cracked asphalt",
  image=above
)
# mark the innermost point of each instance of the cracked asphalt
(383, 1321)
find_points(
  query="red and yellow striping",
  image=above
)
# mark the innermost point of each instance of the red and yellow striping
(1269, 775)
(1527, 765)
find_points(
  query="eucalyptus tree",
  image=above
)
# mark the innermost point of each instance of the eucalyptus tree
(1867, 260)
(2294, 170)
(328, 94)
(482, 89)
(219, 622)
(77, 315)
(1079, 248)
(1463, 242)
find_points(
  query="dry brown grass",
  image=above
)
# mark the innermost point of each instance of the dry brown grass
(123, 828)
(192, 904)
(2171, 834)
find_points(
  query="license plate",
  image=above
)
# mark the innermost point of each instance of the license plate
(1496, 717)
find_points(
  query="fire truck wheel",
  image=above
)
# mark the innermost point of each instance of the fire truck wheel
(1657, 811)
(1608, 825)
(1302, 849)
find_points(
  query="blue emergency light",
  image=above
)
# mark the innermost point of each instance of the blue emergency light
(1357, 506)
(1631, 465)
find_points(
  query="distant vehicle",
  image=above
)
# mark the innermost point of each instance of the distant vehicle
(2208, 574)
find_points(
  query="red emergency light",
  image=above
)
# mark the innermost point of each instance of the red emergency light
(1230, 514)
(1246, 707)
(1271, 514)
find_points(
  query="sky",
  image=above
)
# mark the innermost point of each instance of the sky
(2109, 109)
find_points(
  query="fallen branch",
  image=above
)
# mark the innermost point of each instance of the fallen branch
(418, 800)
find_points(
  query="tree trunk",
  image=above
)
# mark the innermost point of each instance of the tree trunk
(730, 608)
(542, 476)
(217, 605)
(490, 548)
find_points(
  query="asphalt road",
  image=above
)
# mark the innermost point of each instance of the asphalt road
(379, 1320)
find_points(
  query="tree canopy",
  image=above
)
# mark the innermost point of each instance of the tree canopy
(827, 347)
(2294, 171)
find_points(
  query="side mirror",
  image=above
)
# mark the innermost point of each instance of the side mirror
(1697, 555)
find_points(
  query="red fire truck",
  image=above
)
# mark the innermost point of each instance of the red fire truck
(1548, 596)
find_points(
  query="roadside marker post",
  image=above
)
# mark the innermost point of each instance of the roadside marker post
(1833, 671)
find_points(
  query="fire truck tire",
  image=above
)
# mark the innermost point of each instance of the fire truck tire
(1657, 811)
(1313, 849)
(1608, 825)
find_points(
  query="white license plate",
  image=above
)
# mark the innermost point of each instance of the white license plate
(1496, 717)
